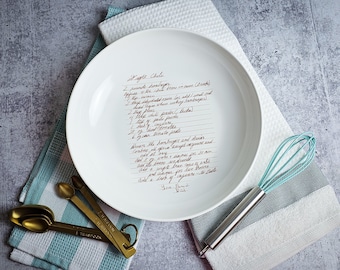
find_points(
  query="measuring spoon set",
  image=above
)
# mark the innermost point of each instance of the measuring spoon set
(40, 218)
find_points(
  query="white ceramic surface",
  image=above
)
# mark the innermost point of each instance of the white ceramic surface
(186, 88)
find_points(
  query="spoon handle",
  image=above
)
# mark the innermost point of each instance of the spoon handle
(115, 237)
(86, 192)
(78, 231)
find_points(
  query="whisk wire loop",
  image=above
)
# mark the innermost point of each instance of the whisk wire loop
(276, 174)
(294, 168)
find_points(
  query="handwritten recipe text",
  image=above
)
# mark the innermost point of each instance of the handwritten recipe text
(171, 130)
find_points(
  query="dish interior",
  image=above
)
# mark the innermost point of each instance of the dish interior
(163, 124)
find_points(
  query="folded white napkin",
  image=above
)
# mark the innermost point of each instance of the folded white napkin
(291, 217)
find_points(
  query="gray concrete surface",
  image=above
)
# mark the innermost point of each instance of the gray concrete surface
(293, 45)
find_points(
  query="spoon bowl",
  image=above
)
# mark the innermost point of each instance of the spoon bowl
(36, 224)
(42, 216)
(39, 219)
(65, 190)
(18, 214)
(77, 182)
(31, 209)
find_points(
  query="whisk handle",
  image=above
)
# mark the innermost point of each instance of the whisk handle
(230, 222)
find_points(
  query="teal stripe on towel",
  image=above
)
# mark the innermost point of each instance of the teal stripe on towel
(43, 264)
(55, 253)
(48, 165)
(39, 184)
(113, 260)
(16, 236)
(113, 11)
(62, 256)
(36, 169)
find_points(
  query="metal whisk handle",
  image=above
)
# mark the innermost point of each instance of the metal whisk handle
(229, 223)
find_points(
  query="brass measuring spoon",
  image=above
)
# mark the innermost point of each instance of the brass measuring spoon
(39, 218)
(30, 209)
(80, 185)
(115, 236)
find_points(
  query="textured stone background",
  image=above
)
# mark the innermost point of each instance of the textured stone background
(293, 45)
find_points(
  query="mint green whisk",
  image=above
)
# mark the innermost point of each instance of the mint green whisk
(292, 156)
(293, 147)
